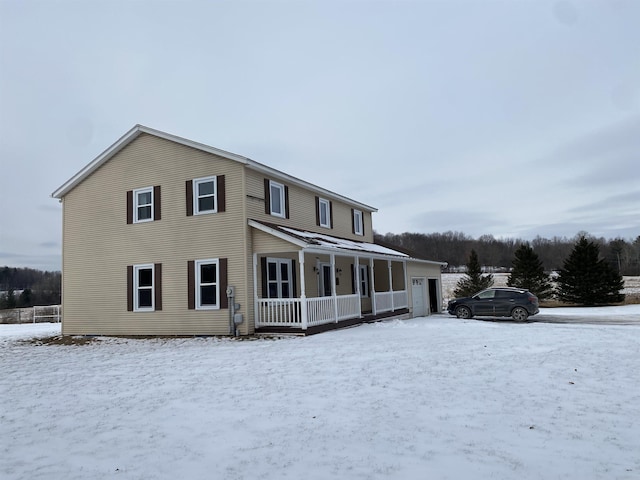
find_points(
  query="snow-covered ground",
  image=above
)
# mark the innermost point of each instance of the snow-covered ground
(429, 398)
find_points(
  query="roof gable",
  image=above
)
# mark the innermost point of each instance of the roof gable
(137, 130)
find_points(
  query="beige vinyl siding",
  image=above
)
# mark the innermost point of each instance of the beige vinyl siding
(264, 243)
(98, 243)
(302, 210)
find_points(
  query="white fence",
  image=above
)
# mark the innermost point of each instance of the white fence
(51, 312)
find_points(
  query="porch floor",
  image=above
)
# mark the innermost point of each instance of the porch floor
(366, 318)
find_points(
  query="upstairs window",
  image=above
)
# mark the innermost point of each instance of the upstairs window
(143, 209)
(358, 223)
(276, 199)
(324, 215)
(143, 205)
(205, 193)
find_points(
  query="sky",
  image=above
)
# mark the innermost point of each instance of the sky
(514, 118)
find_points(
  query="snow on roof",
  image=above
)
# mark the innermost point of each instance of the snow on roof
(327, 241)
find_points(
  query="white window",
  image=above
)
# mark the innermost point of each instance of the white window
(207, 284)
(143, 294)
(276, 198)
(358, 228)
(279, 284)
(143, 205)
(324, 213)
(205, 195)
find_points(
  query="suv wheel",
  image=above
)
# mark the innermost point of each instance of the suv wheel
(519, 314)
(463, 312)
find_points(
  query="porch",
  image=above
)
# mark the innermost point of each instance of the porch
(280, 315)
(311, 291)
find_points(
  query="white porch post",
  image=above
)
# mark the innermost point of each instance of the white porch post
(333, 287)
(303, 293)
(256, 308)
(372, 287)
(356, 279)
(390, 284)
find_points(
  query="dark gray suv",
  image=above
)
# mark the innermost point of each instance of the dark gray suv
(517, 303)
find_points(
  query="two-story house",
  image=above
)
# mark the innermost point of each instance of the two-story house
(166, 236)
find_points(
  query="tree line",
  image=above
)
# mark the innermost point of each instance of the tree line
(497, 254)
(26, 287)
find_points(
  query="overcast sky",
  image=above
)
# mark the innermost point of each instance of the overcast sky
(510, 118)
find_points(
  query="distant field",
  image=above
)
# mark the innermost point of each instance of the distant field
(449, 281)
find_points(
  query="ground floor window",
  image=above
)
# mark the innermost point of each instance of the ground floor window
(207, 284)
(143, 288)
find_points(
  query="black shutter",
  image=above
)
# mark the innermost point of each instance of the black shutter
(267, 197)
(330, 214)
(362, 216)
(221, 193)
(286, 202)
(130, 206)
(353, 279)
(263, 268)
(189, 197)
(353, 221)
(130, 288)
(318, 211)
(157, 285)
(157, 202)
(191, 285)
(222, 271)
(294, 280)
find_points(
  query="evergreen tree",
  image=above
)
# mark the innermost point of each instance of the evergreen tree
(473, 281)
(587, 279)
(10, 299)
(25, 298)
(528, 273)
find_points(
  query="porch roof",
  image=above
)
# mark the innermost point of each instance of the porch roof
(320, 242)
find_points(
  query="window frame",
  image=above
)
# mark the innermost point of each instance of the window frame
(136, 287)
(198, 283)
(137, 206)
(196, 196)
(327, 204)
(281, 197)
(358, 222)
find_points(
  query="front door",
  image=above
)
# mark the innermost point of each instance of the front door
(418, 295)
(325, 280)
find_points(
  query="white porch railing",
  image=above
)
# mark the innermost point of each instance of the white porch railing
(279, 312)
(389, 301)
(287, 312)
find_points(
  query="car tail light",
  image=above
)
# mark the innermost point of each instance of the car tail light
(533, 299)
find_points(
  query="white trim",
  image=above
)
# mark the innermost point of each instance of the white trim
(137, 130)
(136, 287)
(196, 196)
(324, 202)
(198, 283)
(137, 192)
(281, 196)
